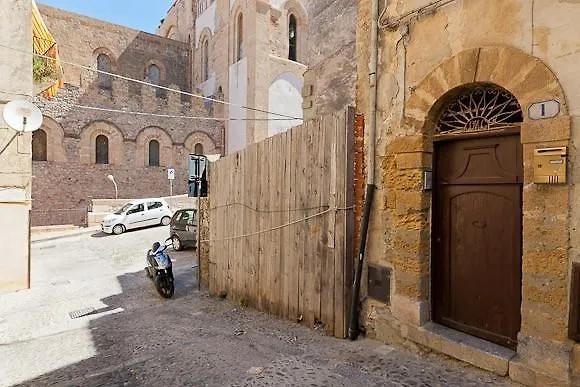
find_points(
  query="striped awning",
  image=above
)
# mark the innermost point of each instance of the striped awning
(43, 43)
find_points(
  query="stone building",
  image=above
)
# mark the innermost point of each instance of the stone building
(293, 57)
(483, 96)
(15, 166)
(89, 131)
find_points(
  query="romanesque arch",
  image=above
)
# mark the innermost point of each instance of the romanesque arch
(202, 138)
(285, 97)
(89, 135)
(144, 137)
(55, 150)
(295, 9)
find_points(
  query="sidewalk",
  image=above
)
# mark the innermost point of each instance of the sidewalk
(41, 234)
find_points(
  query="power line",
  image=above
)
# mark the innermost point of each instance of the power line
(147, 83)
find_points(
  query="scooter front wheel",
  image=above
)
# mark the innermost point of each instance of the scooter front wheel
(165, 287)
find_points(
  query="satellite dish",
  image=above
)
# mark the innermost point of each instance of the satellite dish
(22, 116)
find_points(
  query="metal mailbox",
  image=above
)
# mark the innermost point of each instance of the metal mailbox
(550, 165)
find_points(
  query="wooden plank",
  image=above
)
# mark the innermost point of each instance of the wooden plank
(320, 192)
(327, 280)
(339, 256)
(292, 268)
(264, 160)
(275, 239)
(349, 259)
(285, 251)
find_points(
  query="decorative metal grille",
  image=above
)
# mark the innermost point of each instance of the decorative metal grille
(480, 109)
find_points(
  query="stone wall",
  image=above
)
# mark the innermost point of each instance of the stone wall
(15, 165)
(523, 48)
(129, 114)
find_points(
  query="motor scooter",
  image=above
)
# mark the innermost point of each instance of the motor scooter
(160, 268)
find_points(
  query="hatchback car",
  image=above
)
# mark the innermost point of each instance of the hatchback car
(183, 229)
(137, 214)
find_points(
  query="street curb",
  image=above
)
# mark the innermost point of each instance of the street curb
(64, 236)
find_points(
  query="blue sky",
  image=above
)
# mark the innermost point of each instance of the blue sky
(142, 15)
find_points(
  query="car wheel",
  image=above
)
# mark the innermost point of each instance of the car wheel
(165, 220)
(177, 245)
(118, 229)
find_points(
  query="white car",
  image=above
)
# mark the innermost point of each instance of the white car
(136, 214)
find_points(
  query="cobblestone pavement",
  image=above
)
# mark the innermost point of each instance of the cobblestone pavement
(136, 338)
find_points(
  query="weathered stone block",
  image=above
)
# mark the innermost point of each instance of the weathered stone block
(556, 129)
(412, 202)
(419, 160)
(553, 262)
(410, 144)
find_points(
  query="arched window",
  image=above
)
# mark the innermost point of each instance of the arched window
(205, 60)
(102, 149)
(39, 149)
(198, 149)
(104, 64)
(292, 38)
(154, 153)
(240, 38)
(154, 76)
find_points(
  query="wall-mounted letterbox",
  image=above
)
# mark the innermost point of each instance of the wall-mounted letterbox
(550, 165)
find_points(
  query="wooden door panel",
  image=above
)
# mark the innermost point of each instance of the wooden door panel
(477, 237)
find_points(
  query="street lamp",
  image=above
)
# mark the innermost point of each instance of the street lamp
(110, 177)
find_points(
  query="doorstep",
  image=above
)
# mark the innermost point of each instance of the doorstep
(461, 346)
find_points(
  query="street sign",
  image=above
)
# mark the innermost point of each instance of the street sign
(197, 165)
(171, 174)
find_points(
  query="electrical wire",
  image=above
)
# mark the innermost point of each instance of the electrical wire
(148, 83)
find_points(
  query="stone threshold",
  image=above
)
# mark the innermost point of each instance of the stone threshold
(461, 346)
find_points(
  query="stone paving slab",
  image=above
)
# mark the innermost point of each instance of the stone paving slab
(136, 338)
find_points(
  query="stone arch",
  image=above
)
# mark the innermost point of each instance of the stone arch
(296, 9)
(205, 53)
(285, 97)
(88, 142)
(171, 33)
(523, 75)
(109, 53)
(55, 150)
(530, 81)
(145, 136)
(202, 138)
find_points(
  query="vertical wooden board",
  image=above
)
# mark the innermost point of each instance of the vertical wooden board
(293, 269)
(327, 273)
(319, 179)
(279, 221)
(302, 153)
(306, 202)
(212, 229)
(247, 213)
(231, 229)
(339, 257)
(286, 249)
(273, 235)
(239, 226)
(349, 260)
(264, 160)
(253, 241)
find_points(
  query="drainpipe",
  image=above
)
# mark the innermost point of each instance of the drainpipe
(353, 327)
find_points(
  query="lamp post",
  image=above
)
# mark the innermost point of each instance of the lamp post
(110, 177)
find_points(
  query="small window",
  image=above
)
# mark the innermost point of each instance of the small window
(292, 38)
(154, 153)
(205, 60)
(198, 150)
(136, 209)
(154, 76)
(104, 64)
(187, 216)
(39, 149)
(154, 205)
(240, 38)
(102, 149)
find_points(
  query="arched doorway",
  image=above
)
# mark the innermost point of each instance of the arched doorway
(477, 213)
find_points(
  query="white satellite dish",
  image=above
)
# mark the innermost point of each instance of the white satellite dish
(22, 116)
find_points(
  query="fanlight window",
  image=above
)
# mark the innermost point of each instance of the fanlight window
(480, 109)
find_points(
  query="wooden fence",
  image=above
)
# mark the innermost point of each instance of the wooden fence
(281, 224)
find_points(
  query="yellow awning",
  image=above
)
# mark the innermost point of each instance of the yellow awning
(44, 43)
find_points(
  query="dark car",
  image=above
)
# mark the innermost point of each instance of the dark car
(183, 229)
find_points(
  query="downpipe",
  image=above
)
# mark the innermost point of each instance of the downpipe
(353, 326)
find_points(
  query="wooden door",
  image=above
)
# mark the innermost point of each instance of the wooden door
(477, 236)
